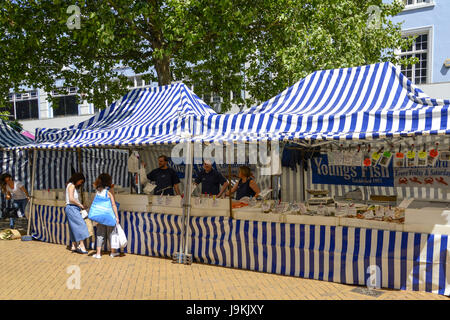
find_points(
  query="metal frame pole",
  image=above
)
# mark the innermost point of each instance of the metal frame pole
(187, 194)
(130, 175)
(33, 176)
(80, 170)
(229, 191)
(139, 191)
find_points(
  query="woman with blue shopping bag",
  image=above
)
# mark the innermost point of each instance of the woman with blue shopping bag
(77, 226)
(103, 210)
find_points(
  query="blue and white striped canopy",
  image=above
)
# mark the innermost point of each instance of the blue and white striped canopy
(146, 116)
(366, 102)
(361, 103)
(10, 137)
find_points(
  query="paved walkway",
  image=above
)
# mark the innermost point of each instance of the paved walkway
(39, 270)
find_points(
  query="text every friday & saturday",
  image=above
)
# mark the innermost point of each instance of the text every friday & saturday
(437, 176)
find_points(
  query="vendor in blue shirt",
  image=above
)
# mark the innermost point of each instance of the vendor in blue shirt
(211, 180)
(246, 186)
(165, 178)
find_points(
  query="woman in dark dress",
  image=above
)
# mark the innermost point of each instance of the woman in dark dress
(247, 186)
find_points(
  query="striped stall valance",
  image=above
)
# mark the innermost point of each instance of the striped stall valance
(390, 259)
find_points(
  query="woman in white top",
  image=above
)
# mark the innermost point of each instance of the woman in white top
(16, 191)
(103, 184)
(77, 227)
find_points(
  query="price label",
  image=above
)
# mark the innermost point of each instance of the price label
(386, 159)
(434, 153)
(411, 155)
(376, 156)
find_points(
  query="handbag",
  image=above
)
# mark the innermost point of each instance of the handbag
(101, 211)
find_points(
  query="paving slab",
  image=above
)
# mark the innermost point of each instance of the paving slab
(39, 270)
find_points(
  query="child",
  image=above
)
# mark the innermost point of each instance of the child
(102, 186)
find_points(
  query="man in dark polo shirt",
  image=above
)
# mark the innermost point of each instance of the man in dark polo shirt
(165, 178)
(211, 180)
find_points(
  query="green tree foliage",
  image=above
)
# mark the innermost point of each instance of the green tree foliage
(261, 46)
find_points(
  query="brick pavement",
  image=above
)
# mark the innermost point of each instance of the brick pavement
(38, 270)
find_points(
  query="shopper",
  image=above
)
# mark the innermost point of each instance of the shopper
(15, 190)
(77, 226)
(211, 180)
(165, 178)
(246, 187)
(102, 185)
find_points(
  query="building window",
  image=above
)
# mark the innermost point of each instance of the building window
(137, 82)
(72, 90)
(418, 73)
(22, 106)
(67, 106)
(62, 91)
(416, 2)
(28, 109)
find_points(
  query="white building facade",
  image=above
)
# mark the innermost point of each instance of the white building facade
(428, 21)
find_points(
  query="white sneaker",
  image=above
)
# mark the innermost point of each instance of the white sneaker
(115, 254)
(97, 256)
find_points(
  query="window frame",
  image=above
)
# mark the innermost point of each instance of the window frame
(428, 30)
(416, 5)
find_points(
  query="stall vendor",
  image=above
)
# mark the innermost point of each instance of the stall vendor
(165, 178)
(211, 180)
(246, 187)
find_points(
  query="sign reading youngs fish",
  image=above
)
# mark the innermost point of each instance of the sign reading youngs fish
(323, 173)
(437, 176)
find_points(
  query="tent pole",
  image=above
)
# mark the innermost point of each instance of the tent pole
(80, 170)
(187, 196)
(33, 175)
(139, 175)
(229, 191)
(302, 168)
(130, 175)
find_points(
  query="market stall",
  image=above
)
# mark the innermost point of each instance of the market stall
(375, 105)
(356, 114)
(142, 119)
(13, 162)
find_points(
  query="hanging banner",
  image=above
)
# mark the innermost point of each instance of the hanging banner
(375, 176)
(437, 176)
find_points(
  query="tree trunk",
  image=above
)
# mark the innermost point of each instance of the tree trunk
(162, 67)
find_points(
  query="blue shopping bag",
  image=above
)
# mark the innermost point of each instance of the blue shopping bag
(101, 211)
